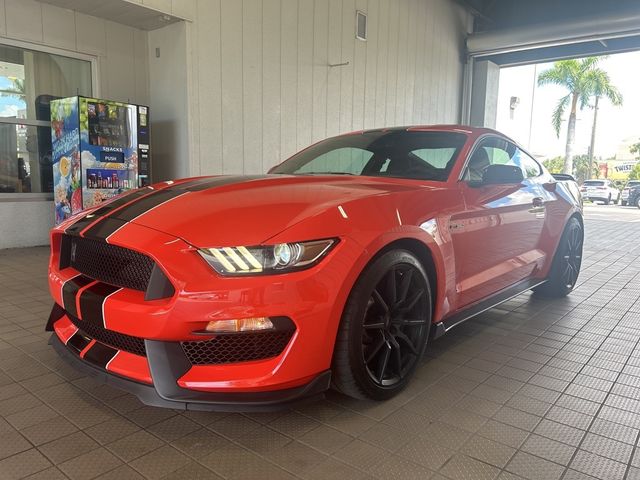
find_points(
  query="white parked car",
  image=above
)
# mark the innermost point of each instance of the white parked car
(600, 191)
(624, 198)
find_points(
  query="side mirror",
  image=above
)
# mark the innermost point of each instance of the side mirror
(502, 175)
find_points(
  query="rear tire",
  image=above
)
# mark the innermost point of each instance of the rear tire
(623, 203)
(567, 260)
(384, 328)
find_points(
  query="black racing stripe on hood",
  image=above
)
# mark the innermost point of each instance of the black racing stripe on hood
(104, 228)
(107, 226)
(102, 212)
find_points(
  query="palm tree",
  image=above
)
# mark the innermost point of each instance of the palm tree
(578, 77)
(16, 90)
(601, 87)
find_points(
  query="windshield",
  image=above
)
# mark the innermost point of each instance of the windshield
(397, 153)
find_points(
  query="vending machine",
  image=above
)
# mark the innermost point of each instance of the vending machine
(100, 148)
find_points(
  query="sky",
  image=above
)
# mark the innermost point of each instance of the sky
(615, 124)
(9, 106)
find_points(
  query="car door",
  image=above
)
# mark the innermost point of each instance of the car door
(495, 238)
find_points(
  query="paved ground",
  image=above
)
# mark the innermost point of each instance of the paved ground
(533, 389)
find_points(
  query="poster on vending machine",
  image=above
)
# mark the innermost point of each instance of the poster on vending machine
(65, 135)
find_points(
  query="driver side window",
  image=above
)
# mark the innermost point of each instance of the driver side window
(497, 151)
(490, 151)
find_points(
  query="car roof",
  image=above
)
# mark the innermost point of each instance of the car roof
(469, 130)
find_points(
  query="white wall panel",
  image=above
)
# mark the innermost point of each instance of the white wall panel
(289, 77)
(24, 20)
(120, 58)
(161, 5)
(26, 223)
(141, 66)
(169, 132)
(274, 100)
(252, 84)
(334, 57)
(271, 85)
(209, 86)
(91, 34)
(346, 72)
(359, 65)
(184, 8)
(58, 27)
(3, 19)
(232, 87)
(305, 73)
(320, 70)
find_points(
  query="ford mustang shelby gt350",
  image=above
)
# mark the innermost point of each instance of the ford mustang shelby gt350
(336, 269)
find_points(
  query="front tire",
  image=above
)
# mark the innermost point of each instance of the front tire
(623, 203)
(567, 260)
(384, 328)
(638, 202)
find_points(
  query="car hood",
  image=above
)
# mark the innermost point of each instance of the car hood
(250, 210)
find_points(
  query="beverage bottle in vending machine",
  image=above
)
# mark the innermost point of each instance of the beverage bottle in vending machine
(99, 180)
(114, 181)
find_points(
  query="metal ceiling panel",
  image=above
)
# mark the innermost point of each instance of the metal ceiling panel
(120, 11)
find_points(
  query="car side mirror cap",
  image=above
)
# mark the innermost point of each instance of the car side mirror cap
(502, 175)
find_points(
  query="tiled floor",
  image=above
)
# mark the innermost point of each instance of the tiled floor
(533, 389)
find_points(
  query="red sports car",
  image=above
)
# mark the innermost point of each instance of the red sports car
(334, 270)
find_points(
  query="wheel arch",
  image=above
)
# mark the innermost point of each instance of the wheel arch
(424, 254)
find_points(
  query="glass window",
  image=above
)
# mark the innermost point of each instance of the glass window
(529, 166)
(383, 153)
(496, 151)
(345, 160)
(29, 80)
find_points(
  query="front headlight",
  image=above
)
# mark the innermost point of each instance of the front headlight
(266, 259)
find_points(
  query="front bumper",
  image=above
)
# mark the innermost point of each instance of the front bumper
(167, 363)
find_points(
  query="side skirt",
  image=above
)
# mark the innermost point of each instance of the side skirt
(440, 328)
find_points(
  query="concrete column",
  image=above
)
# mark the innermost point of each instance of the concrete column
(484, 94)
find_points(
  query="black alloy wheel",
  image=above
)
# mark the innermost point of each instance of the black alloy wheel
(572, 257)
(394, 322)
(566, 264)
(385, 328)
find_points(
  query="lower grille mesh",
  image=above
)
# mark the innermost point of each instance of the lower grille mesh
(237, 348)
(117, 340)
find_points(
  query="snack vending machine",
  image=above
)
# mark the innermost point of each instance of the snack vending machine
(100, 149)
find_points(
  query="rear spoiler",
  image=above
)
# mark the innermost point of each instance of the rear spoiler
(563, 177)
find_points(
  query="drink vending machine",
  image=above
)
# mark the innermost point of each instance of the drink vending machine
(100, 148)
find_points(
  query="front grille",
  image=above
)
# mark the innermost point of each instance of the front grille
(107, 263)
(117, 340)
(237, 348)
